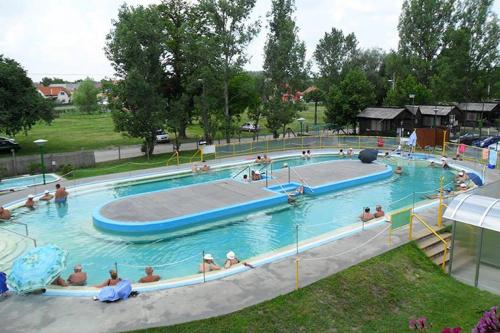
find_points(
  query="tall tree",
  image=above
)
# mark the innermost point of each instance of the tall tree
(230, 34)
(85, 97)
(422, 27)
(333, 52)
(135, 48)
(21, 106)
(400, 95)
(284, 65)
(372, 63)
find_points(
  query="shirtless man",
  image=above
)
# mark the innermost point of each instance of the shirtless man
(4, 214)
(461, 177)
(30, 203)
(366, 216)
(46, 196)
(78, 278)
(61, 195)
(149, 276)
(208, 264)
(378, 211)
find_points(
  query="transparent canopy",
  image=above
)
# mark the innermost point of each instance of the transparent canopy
(476, 210)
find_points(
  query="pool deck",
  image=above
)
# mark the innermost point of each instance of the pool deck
(173, 208)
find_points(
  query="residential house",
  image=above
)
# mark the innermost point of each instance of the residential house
(448, 116)
(475, 112)
(58, 94)
(385, 120)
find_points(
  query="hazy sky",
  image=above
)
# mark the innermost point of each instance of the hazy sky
(66, 38)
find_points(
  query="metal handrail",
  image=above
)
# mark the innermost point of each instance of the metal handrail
(14, 232)
(239, 173)
(25, 227)
(445, 243)
(175, 154)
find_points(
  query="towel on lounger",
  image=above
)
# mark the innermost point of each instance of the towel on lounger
(114, 293)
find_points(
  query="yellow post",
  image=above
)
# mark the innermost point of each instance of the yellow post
(440, 207)
(444, 143)
(201, 155)
(177, 153)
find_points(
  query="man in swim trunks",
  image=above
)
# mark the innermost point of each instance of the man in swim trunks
(4, 214)
(78, 278)
(149, 276)
(46, 196)
(61, 195)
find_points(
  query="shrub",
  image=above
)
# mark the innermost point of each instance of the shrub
(66, 170)
(34, 168)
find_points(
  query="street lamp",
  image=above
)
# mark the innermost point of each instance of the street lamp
(301, 121)
(40, 143)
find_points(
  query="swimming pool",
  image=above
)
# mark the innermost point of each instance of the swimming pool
(25, 181)
(177, 254)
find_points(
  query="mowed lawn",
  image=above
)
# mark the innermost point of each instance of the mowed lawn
(73, 131)
(378, 295)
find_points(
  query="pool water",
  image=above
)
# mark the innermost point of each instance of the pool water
(25, 181)
(178, 253)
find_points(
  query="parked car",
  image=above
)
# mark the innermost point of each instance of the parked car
(249, 127)
(162, 137)
(488, 141)
(467, 138)
(7, 144)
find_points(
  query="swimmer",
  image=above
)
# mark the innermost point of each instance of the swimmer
(4, 213)
(149, 276)
(341, 153)
(399, 170)
(30, 203)
(258, 160)
(208, 264)
(258, 176)
(46, 196)
(205, 168)
(195, 168)
(308, 154)
(350, 152)
(266, 159)
(378, 211)
(366, 216)
(245, 178)
(231, 260)
(304, 156)
(61, 195)
(461, 177)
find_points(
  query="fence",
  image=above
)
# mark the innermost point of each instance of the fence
(14, 165)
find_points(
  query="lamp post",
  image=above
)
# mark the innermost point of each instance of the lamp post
(435, 124)
(393, 81)
(301, 121)
(40, 143)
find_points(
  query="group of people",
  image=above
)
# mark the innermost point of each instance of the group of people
(200, 168)
(306, 154)
(263, 160)
(60, 196)
(79, 278)
(350, 153)
(367, 215)
(209, 264)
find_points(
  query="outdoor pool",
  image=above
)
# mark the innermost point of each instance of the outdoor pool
(178, 253)
(25, 181)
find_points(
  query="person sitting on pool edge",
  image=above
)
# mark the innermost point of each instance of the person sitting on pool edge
(308, 154)
(61, 195)
(4, 213)
(46, 196)
(366, 216)
(231, 260)
(208, 264)
(378, 211)
(304, 156)
(245, 178)
(205, 168)
(350, 152)
(341, 153)
(112, 281)
(149, 276)
(78, 278)
(30, 202)
(258, 160)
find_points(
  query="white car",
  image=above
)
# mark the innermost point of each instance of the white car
(162, 137)
(249, 127)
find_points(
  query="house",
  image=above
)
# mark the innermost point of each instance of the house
(58, 94)
(385, 120)
(474, 112)
(440, 116)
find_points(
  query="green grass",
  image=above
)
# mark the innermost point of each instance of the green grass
(378, 295)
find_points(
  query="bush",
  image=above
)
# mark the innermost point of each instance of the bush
(34, 168)
(66, 170)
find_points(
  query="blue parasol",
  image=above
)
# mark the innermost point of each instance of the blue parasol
(36, 268)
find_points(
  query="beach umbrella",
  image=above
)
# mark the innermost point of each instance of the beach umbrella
(36, 268)
(475, 178)
(368, 155)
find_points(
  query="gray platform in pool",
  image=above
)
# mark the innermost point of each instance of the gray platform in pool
(195, 199)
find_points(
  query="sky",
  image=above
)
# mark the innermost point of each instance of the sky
(65, 38)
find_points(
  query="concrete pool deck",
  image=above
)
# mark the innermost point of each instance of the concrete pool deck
(173, 208)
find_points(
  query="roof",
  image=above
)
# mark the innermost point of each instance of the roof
(476, 210)
(477, 107)
(412, 108)
(51, 91)
(381, 113)
(443, 110)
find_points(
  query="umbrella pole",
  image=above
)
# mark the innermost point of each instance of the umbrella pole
(116, 268)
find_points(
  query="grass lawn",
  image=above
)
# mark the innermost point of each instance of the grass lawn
(136, 163)
(378, 295)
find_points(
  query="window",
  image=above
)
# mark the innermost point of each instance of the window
(376, 125)
(471, 116)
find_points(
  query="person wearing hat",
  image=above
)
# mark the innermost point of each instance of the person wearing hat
(78, 278)
(350, 152)
(112, 281)
(46, 196)
(4, 213)
(149, 276)
(231, 259)
(30, 203)
(461, 177)
(208, 264)
(462, 187)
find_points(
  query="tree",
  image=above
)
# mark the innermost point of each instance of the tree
(21, 106)
(399, 96)
(135, 48)
(47, 81)
(85, 97)
(333, 52)
(284, 66)
(230, 34)
(372, 63)
(346, 100)
(315, 95)
(422, 27)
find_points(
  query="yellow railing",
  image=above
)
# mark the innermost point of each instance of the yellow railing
(445, 243)
(174, 155)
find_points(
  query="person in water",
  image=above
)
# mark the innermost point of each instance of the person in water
(5, 214)
(231, 259)
(399, 170)
(366, 216)
(78, 278)
(112, 281)
(61, 195)
(30, 202)
(46, 196)
(208, 264)
(378, 211)
(149, 276)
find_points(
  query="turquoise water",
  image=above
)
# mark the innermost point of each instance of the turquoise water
(178, 254)
(25, 181)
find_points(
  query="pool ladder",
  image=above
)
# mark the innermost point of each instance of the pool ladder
(19, 234)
